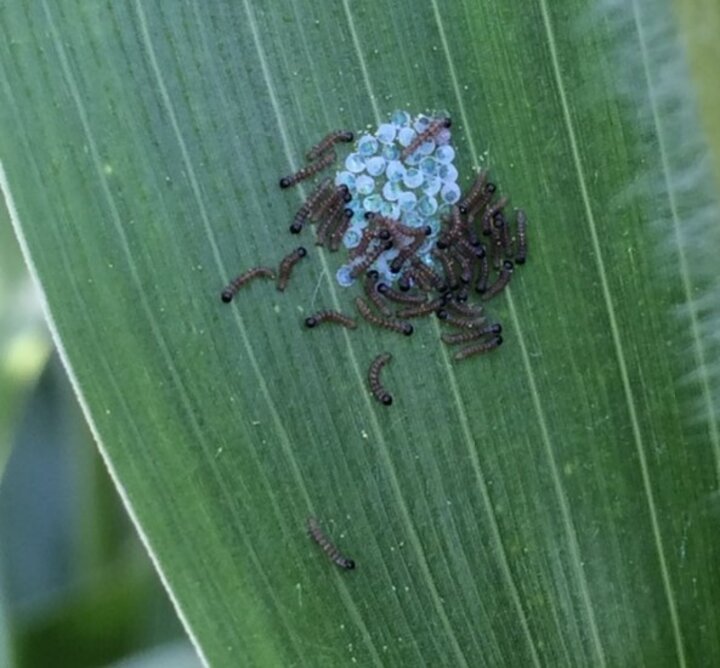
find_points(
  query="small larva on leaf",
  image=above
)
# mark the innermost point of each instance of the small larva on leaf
(330, 316)
(328, 141)
(316, 533)
(309, 171)
(478, 348)
(379, 321)
(376, 387)
(256, 272)
(287, 264)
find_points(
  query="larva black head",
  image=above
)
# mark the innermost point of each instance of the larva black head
(443, 287)
(408, 329)
(296, 228)
(389, 244)
(347, 197)
(462, 295)
(310, 322)
(386, 400)
(382, 288)
(520, 260)
(463, 209)
(508, 266)
(442, 314)
(447, 122)
(373, 274)
(496, 328)
(498, 340)
(428, 230)
(349, 564)
(285, 182)
(346, 136)
(226, 296)
(481, 252)
(348, 213)
(441, 244)
(369, 215)
(403, 283)
(301, 251)
(384, 235)
(490, 187)
(343, 189)
(395, 267)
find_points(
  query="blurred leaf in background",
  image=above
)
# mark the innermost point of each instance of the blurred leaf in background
(77, 582)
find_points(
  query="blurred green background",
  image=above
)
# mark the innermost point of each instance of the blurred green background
(76, 586)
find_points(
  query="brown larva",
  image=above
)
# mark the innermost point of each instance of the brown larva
(431, 130)
(397, 296)
(474, 193)
(309, 171)
(521, 254)
(472, 335)
(326, 544)
(328, 141)
(373, 295)
(424, 309)
(481, 284)
(501, 281)
(478, 348)
(499, 232)
(379, 321)
(310, 203)
(376, 387)
(451, 275)
(330, 316)
(450, 319)
(340, 229)
(330, 217)
(286, 266)
(256, 272)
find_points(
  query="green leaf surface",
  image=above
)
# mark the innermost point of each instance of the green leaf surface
(554, 503)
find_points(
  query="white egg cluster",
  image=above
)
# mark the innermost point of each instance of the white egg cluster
(417, 190)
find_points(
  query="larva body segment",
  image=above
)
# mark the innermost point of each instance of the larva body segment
(308, 171)
(376, 387)
(330, 316)
(232, 288)
(478, 348)
(287, 264)
(316, 533)
(328, 141)
(379, 321)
